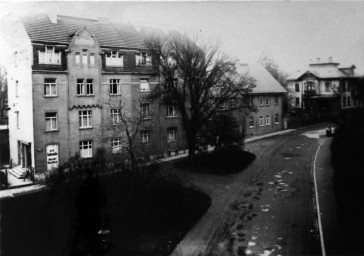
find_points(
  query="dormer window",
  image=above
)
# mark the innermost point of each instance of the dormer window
(143, 59)
(115, 58)
(49, 56)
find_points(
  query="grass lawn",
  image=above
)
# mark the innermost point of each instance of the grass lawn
(226, 161)
(146, 216)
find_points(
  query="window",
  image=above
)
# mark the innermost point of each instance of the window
(276, 100)
(267, 101)
(115, 87)
(145, 109)
(171, 83)
(261, 121)
(89, 86)
(251, 122)
(85, 118)
(92, 58)
(344, 86)
(16, 88)
(172, 134)
(77, 58)
(50, 87)
(17, 119)
(144, 85)
(344, 101)
(115, 116)
(297, 102)
(171, 111)
(349, 101)
(250, 101)
(267, 120)
(297, 87)
(80, 87)
(276, 118)
(260, 102)
(49, 56)
(84, 56)
(115, 58)
(116, 145)
(327, 87)
(145, 136)
(143, 59)
(51, 121)
(86, 148)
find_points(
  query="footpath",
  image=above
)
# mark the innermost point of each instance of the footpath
(330, 229)
(34, 188)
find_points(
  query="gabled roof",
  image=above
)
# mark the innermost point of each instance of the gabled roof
(41, 29)
(324, 71)
(265, 82)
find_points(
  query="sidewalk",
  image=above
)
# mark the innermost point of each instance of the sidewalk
(326, 199)
(28, 189)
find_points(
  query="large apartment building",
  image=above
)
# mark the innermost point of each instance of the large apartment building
(68, 78)
(325, 87)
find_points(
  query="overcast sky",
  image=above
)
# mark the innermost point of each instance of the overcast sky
(292, 33)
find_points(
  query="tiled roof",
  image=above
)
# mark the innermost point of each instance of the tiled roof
(41, 29)
(323, 71)
(265, 82)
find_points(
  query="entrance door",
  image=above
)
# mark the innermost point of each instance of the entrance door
(52, 157)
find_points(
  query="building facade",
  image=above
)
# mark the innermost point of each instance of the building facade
(325, 87)
(70, 80)
(266, 101)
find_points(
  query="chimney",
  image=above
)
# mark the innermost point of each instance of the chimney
(330, 59)
(53, 17)
(318, 60)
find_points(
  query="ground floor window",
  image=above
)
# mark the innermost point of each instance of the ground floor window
(145, 137)
(172, 134)
(261, 121)
(116, 144)
(251, 121)
(267, 120)
(276, 118)
(86, 148)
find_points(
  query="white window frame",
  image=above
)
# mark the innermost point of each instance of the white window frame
(115, 59)
(51, 83)
(276, 118)
(144, 85)
(116, 83)
(145, 106)
(267, 101)
(116, 145)
(251, 122)
(145, 137)
(86, 148)
(171, 111)
(80, 90)
(89, 86)
(84, 56)
(115, 115)
(261, 121)
(267, 120)
(49, 56)
(52, 120)
(172, 134)
(261, 102)
(85, 119)
(276, 100)
(143, 59)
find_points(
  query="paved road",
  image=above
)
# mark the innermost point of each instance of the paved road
(268, 209)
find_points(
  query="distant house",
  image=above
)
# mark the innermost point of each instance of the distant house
(266, 100)
(325, 87)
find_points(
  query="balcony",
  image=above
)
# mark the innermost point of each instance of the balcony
(309, 93)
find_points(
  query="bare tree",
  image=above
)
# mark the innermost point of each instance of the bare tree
(125, 122)
(197, 80)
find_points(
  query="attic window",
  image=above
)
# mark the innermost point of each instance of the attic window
(143, 59)
(115, 58)
(50, 56)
